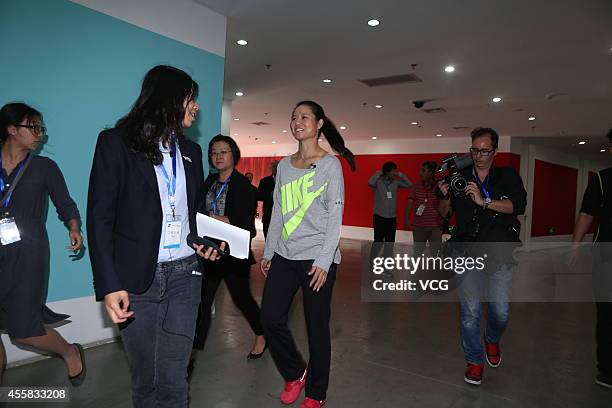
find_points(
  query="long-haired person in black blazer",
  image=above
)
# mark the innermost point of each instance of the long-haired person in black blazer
(229, 197)
(143, 196)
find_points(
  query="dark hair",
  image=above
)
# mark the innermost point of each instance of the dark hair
(334, 138)
(13, 114)
(482, 131)
(159, 110)
(232, 144)
(388, 167)
(430, 166)
(609, 135)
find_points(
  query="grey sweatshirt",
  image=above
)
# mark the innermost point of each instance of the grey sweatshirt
(385, 193)
(307, 214)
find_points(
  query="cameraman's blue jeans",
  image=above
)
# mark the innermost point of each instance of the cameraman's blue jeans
(159, 339)
(478, 287)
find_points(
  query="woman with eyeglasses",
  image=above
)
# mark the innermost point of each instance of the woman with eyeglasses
(26, 183)
(229, 197)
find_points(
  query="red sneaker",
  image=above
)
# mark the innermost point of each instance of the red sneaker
(293, 389)
(493, 353)
(310, 403)
(473, 374)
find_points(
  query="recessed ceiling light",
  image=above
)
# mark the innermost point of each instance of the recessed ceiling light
(439, 135)
(373, 137)
(497, 99)
(532, 118)
(236, 118)
(373, 23)
(602, 150)
(284, 130)
(239, 93)
(378, 106)
(274, 142)
(449, 68)
(235, 134)
(414, 123)
(328, 80)
(342, 127)
(242, 42)
(581, 142)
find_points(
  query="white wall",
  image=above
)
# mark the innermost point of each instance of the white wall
(182, 20)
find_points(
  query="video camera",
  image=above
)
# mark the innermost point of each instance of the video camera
(453, 165)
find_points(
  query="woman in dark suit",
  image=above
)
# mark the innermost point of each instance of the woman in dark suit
(229, 197)
(143, 193)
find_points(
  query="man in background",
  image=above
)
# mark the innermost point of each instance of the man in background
(265, 194)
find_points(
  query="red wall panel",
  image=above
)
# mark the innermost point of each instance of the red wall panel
(358, 195)
(554, 199)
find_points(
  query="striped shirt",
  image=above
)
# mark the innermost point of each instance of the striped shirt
(425, 195)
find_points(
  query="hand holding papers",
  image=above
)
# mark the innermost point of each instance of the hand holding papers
(237, 238)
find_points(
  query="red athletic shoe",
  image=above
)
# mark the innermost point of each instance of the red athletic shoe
(493, 353)
(310, 403)
(293, 389)
(473, 374)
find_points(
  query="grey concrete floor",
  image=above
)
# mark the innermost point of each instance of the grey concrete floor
(384, 355)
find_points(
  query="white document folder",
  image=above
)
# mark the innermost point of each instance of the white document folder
(238, 239)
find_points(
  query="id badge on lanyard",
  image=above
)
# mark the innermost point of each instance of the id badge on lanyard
(420, 210)
(172, 231)
(173, 222)
(9, 233)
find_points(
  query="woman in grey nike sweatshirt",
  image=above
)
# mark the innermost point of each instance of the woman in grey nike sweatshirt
(302, 251)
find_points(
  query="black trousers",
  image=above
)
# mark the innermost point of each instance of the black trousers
(285, 277)
(603, 337)
(384, 229)
(384, 236)
(235, 273)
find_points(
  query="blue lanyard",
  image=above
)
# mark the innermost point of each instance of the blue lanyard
(216, 200)
(170, 181)
(3, 183)
(483, 186)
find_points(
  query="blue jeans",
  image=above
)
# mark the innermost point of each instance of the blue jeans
(158, 340)
(475, 288)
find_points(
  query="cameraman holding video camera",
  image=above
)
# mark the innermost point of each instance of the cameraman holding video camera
(486, 200)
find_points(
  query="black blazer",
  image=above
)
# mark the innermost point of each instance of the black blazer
(124, 215)
(239, 202)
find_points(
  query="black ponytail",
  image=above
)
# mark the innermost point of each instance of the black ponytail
(335, 140)
(329, 130)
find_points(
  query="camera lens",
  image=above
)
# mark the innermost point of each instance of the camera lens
(459, 184)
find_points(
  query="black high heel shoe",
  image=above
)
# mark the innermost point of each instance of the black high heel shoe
(78, 379)
(253, 356)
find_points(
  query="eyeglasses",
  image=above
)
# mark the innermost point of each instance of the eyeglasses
(37, 128)
(220, 152)
(481, 152)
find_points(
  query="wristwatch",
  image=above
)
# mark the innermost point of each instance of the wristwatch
(486, 203)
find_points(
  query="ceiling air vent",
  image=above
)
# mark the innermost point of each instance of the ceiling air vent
(434, 110)
(461, 127)
(391, 80)
(260, 123)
